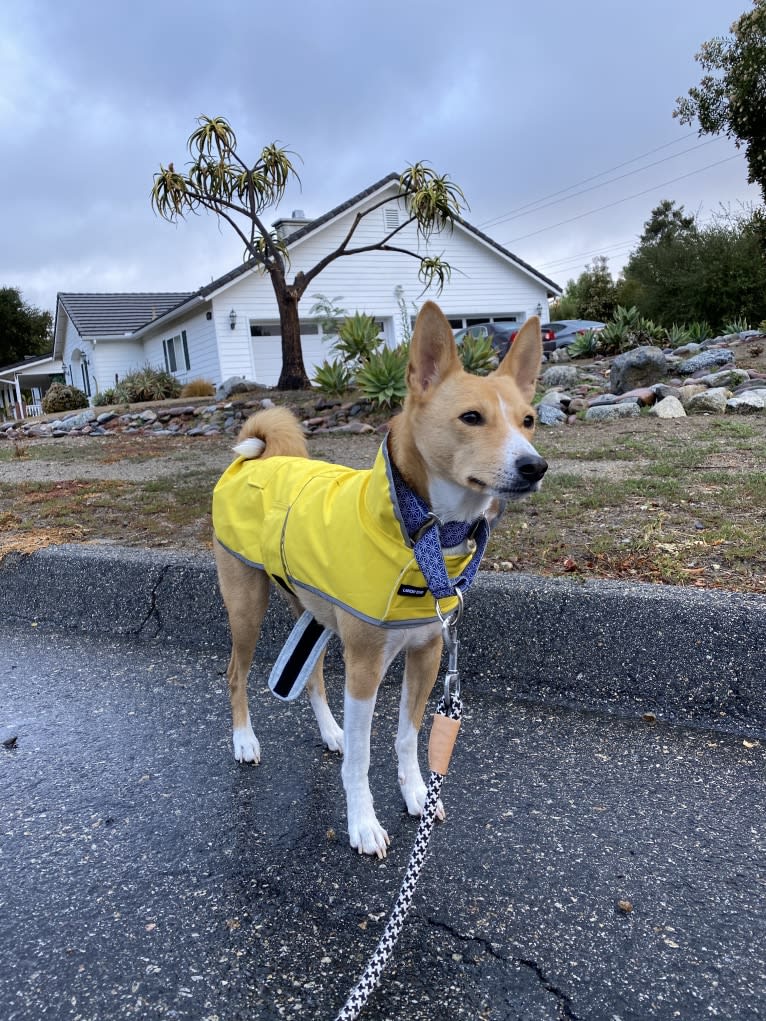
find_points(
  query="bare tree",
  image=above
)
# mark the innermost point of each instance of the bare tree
(220, 180)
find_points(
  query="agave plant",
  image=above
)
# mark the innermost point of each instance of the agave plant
(358, 338)
(383, 376)
(736, 326)
(584, 344)
(477, 355)
(699, 331)
(677, 335)
(333, 377)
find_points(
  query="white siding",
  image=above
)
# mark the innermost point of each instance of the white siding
(115, 358)
(483, 283)
(200, 340)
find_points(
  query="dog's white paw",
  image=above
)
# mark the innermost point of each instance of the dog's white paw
(367, 836)
(246, 747)
(332, 736)
(414, 795)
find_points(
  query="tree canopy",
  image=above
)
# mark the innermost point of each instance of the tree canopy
(24, 330)
(239, 192)
(731, 96)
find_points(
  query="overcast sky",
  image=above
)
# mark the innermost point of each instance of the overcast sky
(515, 101)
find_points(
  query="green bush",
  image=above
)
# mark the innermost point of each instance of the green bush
(477, 355)
(333, 377)
(584, 344)
(677, 335)
(736, 326)
(63, 397)
(146, 384)
(104, 397)
(383, 377)
(358, 339)
(628, 329)
(699, 331)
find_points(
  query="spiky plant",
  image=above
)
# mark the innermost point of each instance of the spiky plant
(477, 355)
(333, 377)
(383, 376)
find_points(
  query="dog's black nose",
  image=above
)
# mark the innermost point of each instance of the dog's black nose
(532, 468)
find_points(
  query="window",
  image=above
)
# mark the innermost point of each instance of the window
(176, 351)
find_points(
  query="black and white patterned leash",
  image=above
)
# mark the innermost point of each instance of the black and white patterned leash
(450, 707)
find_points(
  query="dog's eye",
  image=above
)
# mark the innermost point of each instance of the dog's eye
(529, 421)
(472, 418)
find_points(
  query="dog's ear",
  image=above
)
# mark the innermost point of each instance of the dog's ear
(433, 354)
(524, 357)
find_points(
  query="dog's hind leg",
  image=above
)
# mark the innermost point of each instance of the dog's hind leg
(421, 669)
(245, 592)
(332, 734)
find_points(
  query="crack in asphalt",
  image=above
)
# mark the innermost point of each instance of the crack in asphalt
(564, 1001)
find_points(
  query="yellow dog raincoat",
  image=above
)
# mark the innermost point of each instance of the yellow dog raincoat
(331, 530)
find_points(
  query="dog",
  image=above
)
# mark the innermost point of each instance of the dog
(335, 541)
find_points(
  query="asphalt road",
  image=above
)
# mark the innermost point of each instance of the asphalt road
(590, 867)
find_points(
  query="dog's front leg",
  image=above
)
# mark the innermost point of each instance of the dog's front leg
(421, 669)
(364, 670)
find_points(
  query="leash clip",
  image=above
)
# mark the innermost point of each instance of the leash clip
(451, 641)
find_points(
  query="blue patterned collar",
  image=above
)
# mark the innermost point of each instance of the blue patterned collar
(430, 537)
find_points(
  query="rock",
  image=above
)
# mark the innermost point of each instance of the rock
(750, 402)
(685, 393)
(706, 360)
(687, 350)
(610, 412)
(555, 398)
(640, 367)
(76, 421)
(559, 376)
(148, 416)
(547, 414)
(711, 402)
(644, 397)
(576, 404)
(234, 385)
(662, 390)
(601, 399)
(729, 378)
(668, 407)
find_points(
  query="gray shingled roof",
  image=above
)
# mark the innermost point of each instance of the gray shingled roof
(100, 315)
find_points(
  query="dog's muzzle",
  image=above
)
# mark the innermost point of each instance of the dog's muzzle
(531, 468)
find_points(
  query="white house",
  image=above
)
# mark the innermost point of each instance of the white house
(230, 327)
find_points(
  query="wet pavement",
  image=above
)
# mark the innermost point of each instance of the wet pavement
(590, 867)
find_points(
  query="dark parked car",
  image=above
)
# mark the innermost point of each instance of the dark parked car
(565, 331)
(501, 334)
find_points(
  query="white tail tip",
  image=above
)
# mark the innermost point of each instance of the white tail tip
(251, 448)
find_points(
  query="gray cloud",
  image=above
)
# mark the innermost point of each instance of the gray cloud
(514, 101)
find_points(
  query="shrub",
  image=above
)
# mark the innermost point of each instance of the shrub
(584, 344)
(62, 397)
(198, 388)
(146, 384)
(736, 326)
(699, 331)
(677, 335)
(358, 339)
(104, 397)
(383, 376)
(628, 329)
(333, 377)
(477, 355)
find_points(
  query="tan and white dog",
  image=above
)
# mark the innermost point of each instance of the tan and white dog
(462, 444)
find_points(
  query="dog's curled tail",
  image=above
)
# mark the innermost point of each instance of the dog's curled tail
(275, 432)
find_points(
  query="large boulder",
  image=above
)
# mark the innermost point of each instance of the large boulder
(668, 407)
(610, 412)
(749, 402)
(641, 367)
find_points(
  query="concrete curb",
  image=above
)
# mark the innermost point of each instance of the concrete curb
(689, 656)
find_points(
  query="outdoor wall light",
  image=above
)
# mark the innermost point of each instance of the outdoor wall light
(539, 309)
(232, 319)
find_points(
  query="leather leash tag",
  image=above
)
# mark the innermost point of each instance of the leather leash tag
(441, 742)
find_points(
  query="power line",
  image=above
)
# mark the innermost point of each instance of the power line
(587, 180)
(603, 184)
(610, 205)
